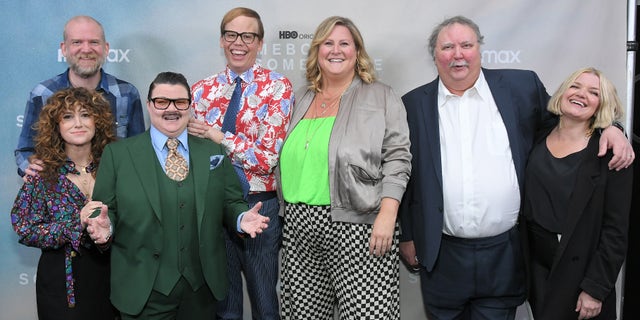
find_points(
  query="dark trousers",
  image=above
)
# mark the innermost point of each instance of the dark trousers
(480, 278)
(182, 303)
(257, 258)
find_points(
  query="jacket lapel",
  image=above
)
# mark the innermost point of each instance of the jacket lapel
(142, 157)
(199, 168)
(585, 184)
(430, 116)
(509, 113)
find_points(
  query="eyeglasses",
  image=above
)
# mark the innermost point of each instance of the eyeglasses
(247, 37)
(163, 103)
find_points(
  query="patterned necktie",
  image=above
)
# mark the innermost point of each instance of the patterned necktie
(229, 122)
(176, 165)
(229, 125)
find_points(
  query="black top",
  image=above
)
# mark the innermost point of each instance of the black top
(555, 179)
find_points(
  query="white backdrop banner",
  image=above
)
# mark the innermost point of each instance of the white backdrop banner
(554, 38)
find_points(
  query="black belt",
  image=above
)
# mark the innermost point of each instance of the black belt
(261, 196)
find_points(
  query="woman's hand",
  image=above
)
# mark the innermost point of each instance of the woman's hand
(88, 210)
(99, 227)
(384, 227)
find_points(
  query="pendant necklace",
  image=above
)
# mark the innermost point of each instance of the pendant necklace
(324, 110)
(83, 179)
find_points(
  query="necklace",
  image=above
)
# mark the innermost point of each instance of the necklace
(324, 108)
(83, 168)
(328, 101)
(84, 180)
(313, 120)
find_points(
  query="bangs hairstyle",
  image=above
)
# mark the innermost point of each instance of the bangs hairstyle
(242, 12)
(363, 67)
(49, 145)
(610, 108)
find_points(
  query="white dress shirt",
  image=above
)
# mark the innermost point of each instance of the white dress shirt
(480, 186)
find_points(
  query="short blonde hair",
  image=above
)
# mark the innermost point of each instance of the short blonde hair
(245, 12)
(610, 108)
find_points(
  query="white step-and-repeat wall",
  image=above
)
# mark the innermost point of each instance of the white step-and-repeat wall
(551, 37)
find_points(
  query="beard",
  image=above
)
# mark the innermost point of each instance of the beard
(85, 71)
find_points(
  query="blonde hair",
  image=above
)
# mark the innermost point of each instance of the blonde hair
(244, 12)
(364, 66)
(609, 109)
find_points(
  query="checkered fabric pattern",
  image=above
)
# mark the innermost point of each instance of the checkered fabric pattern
(325, 261)
(176, 165)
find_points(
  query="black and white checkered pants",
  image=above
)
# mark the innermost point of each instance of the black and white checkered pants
(324, 262)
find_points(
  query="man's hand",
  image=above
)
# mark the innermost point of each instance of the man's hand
(623, 155)
(587, 306)
(201, 129)
(409, 256)
(253, 222)
(35, 166)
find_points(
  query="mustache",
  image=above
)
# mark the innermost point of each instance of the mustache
(462, 63)
(172, 114)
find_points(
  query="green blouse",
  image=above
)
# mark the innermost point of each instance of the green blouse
(304, 162)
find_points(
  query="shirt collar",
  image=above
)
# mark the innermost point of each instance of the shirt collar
(246, 76)
(158, 139)
(480, 88)
(103, 84)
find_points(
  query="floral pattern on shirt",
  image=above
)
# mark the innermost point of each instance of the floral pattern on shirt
(47, 216)
(261, 124)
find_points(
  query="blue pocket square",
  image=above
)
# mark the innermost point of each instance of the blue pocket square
(215, 161)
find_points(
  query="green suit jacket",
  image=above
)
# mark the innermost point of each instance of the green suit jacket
(127, 183)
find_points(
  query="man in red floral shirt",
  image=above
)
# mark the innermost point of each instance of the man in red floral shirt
(252, 139)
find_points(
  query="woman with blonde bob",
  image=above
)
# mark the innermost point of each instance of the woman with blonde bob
(345, 165)
(51, 208)
(576, 210)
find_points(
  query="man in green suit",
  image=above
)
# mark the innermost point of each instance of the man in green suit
(167, 248)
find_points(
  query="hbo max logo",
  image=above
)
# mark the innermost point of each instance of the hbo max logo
(115, 55)
(294, 35)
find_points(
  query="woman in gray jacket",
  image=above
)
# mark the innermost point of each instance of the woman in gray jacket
(344, 167)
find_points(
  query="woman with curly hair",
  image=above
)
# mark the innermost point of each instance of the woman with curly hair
(51, 209)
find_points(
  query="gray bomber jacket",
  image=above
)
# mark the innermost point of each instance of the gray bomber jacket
(369, 156)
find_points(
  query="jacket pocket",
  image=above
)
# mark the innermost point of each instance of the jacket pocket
(365, 189)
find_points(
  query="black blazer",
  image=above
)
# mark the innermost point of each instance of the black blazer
(594, 240)
(521, 99)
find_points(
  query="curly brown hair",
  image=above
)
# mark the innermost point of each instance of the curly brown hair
(49, 145)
